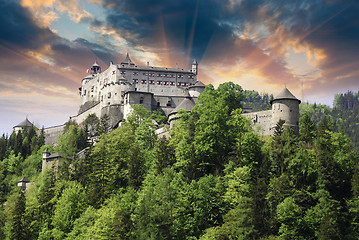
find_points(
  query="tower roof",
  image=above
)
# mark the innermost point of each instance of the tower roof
(195, 62)
(198, 84)
(25, 123)
(187, 104)
(285, 94)
(128, 60)
(24, 179)
(95, 64)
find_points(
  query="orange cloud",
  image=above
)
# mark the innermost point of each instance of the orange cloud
(44, 14)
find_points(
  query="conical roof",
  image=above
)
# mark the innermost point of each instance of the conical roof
(285, 94)
(25, 123)
(187, 104)
(128, 60)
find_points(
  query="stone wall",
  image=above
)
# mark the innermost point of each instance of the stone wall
(52, 134)
(262, 121)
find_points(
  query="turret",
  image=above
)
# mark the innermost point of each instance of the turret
(196, 89)
(195, 67)
(95, 68)
(286, 107)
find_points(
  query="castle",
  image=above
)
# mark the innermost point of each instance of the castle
(113, 91)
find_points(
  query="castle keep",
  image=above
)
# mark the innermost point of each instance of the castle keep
(114, 90)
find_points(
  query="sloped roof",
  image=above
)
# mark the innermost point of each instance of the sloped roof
(24, 179)
(128, 60)
(198, 84)
(187, 104)
(95, 64)
(285, 94)
(25, 123)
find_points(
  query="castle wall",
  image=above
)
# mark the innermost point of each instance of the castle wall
(114, 112)
(80, 118)
(262, 121)
(52, 134)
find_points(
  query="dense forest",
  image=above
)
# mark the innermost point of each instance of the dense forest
(215, 178)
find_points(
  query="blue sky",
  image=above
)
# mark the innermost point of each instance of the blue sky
(47, 45)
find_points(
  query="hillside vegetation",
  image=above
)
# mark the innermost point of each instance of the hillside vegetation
(215, 178)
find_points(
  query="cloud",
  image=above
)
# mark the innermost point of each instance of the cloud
(43, 11)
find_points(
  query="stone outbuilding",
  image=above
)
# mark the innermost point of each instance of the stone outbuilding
(51, 161)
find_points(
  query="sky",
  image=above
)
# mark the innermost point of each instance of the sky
(46, 46)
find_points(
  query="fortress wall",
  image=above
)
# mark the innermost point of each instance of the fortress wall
(52, 134)
(82, 117)
(262, 121)
(114, 112)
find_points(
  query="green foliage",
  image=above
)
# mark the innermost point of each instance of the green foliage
(215, 178)
(72, 141)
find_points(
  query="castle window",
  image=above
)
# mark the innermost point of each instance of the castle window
(109, 95)
(169, 103)
(141, 100)
(158, 104)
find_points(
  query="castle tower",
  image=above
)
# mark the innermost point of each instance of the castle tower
(286, 107)
(195, 67)
(197, 89)
(95, 68)
(26, 124)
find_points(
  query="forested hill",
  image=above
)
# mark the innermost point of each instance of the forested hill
(343, 115)
(215, 178)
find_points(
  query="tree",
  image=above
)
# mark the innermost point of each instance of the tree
(17, 229)
(307, 128)
(212, 137)
(68, 208)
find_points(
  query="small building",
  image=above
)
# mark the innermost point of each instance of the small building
(51, 161)
(24, 125)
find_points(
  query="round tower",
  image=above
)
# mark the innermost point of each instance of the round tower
(196, 89)
(286, 107)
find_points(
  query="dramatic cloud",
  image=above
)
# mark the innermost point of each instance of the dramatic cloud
(47, 45)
